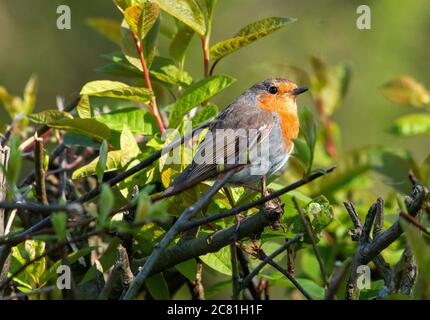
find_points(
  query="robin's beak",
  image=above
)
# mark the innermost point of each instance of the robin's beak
(299, 90)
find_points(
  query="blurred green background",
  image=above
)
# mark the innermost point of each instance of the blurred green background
(396, 45)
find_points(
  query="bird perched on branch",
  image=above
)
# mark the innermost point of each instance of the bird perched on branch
(254, 135)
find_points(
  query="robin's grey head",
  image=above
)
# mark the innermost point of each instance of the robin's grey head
(278, 86)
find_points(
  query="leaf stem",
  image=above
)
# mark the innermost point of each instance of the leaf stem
(154, 108)
(39, 156)
(205, 47)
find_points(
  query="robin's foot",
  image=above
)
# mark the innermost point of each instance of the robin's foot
(256, 245)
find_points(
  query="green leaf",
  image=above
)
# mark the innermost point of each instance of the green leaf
(78, 140)
(84, 108)
(180, 43)
(129, 146)
(23, 253)
(412, 125)
(59, 221)
(406, 91)
(219, 261)
(187, 11)
(30, 92)
(165, 70)
(101, 163)
(188, 269)
(109, 28)
(157, 287)
(248, 35)
(143, 207)
(310, 265)
(216, 288)
(88, 127)
(162, 69)
(105, 205)
(12, 104)
(205, 114)
(113, 163)
(15, 161)
(49, 116)
(335, 90)
(139, 121)
(114, 89)
(277, 278)
(198, 93)
(129, 49)
(302, 153)
(107, 260)
(142, 17)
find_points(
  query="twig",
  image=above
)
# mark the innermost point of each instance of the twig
(253, 204)
(142, 165)
(33, 206)
(234, 271)
(39, 157)
(22, 295)
(4, 159)
(414, 221)
(405, 273)
(189, 213)
(114, 276)
(56, 152)
(291, 278)
(267, 259)
(336, 279)
(310, 234)
(45, 131)
(245, 270)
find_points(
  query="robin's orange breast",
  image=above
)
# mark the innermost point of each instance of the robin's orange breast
(287, 113)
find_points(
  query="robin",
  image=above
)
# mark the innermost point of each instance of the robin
(266, 118)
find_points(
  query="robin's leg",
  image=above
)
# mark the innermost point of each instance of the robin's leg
(264, 191)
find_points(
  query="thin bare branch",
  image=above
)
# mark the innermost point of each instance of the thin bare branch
(267, 259)
(308, 229)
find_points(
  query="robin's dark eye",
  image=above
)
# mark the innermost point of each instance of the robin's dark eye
(273, 90)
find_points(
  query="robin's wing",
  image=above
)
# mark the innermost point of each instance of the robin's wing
(236, 119)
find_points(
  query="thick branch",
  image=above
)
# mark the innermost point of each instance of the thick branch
(189, 249)
(368, 249)
(189, 213)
